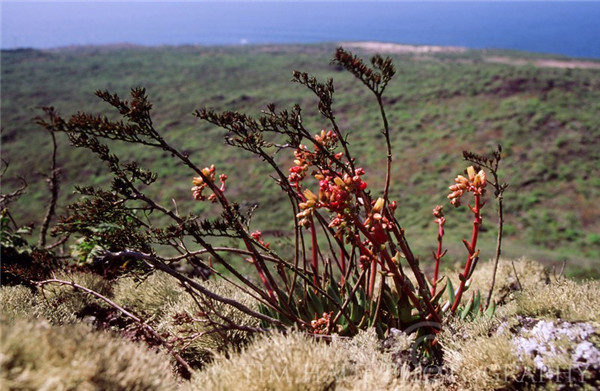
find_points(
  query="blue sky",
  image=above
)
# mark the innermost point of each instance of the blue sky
(554, 27)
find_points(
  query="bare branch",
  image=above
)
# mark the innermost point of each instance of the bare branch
(53, 186)
(159, 264)
(130, 315)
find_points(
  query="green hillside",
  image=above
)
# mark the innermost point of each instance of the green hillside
(546, 118)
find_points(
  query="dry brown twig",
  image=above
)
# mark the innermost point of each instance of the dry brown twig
(53, 186)
(186, 367)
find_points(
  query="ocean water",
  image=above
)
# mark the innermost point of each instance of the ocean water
(569, 28)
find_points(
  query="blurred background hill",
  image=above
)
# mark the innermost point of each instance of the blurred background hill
(441, 102)
(468, 88)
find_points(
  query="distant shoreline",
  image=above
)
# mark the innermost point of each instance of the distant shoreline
(396, 48)
(368, 47)
(393, 48)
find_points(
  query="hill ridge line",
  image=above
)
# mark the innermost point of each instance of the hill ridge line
(396, 48)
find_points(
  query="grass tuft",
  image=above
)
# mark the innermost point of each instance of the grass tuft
(62, 304)
(17, 302)
(295, 361)
(150, 297)
(198, 344)
(482, 362)
(530, 275)
(477, 355)
(564, 299)
(37, 356)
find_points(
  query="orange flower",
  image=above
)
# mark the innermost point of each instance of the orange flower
(257, 235)
(475, 183)
(321, 325)
(200, 185)
(438, 212)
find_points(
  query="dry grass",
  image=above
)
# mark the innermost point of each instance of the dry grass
(278, 362)
(477, 357)
(295, 361)
(149, 297)
(37, 356)
(564, 299)
(198, 343)
(57, 304)
(17, 302)
(368, 368)
(62, 304)
(482, 363)
(481, 354)
(531, 275)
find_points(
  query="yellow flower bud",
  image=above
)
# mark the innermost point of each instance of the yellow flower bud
(455, 194)
(378, 205)
(461, 180)
(309, 195)
(482, 177)
(471, 173)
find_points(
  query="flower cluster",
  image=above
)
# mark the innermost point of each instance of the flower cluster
(377, 223)
(327, 139)
(304, 158)
(200, 185)
(366, 255)
(336, 189)
(438, 213)
(302, 162)
(257, 235)
(321, 325)
(335, 194)
(475, 183)
(363, 72)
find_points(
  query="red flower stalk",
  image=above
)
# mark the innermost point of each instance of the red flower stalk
(475, 183)
(208, 179)
(315, 252)
(263, 278)
(440, 220)
(342, 267)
